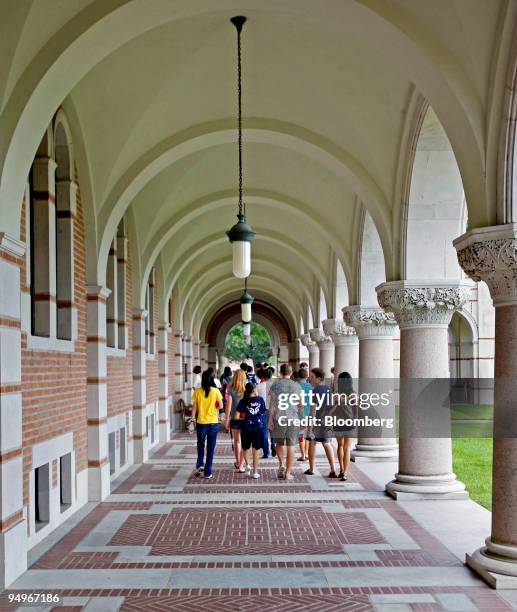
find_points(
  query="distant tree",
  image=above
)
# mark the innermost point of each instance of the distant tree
(236, 348)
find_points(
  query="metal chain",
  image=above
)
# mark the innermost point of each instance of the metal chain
(239, 96)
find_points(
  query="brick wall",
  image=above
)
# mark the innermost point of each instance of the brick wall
(120, 369)
(54, 384)
(170, 352)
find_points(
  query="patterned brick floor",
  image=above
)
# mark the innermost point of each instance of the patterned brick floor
(165, 540)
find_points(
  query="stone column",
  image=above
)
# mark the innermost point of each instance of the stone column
(163, 373)
(177, 364)
(140, 437)
(112, 302)
(97, 416)
(283, 356)
(375, 329)
(490, 254)
(122, 258)
(66, 210)
(423, 310)
(325, 349)
(13, 526)
(346, 347)
(312, 347)
(196, 352)
(203, 355)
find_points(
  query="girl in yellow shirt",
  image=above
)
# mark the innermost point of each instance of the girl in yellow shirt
(207, 400)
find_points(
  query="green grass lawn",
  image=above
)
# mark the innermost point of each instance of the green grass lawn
(472, 464)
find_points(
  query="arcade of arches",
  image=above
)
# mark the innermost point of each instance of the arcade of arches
(379, 150)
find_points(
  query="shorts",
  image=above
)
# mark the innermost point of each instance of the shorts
(235, 423)
(285, 436)
(322, 440)
(251, 439)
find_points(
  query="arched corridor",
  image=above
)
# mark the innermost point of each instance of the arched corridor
(375, 165)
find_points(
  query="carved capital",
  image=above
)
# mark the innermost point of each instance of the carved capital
(338, 330)
(305, 339)
(490, 254)
(323, 341)
(415, 303)
(370, 322)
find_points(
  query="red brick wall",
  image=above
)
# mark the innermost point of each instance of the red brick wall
(54, 384)
(120, 369)
(151, 378)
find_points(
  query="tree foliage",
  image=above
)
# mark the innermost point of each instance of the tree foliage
(236, 348)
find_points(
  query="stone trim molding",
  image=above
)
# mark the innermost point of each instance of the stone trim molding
(370, 322)
(11, 245)
(489, 254)
(423, 303)
(338, 330)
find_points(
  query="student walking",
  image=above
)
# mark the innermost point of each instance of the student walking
(251, 410)
(306, 387)
(322, 395)
(233, 424)
(343, 411)
(207, 400)
(263, 392)
(285, 435)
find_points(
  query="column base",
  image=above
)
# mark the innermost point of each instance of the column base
(375, 452)
(408, 487)
(13, 553)
(99, 485)
(496, 564)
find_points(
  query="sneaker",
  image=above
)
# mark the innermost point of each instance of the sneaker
(289, 477)
(241, 470)
(332, 474)
(309, 472)
(273, 453)
(301, 459)
(198, 471)
(256, 475)
(248, 470)
(281, 473)
(209, 476)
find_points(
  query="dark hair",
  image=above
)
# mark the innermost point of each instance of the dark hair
(303, 373)
(248, 390)
(244, 366)
(207, 381)
(303, 365)
(249, 369)
(197, 369)
(286, 369)
(345, 383)
(227, 371)
(319, 373)
(295, 375)
(268, 373)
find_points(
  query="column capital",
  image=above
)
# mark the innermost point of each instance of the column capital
(323, 341)
(11, 246)
(338, 330)
(369, 321)
(305, 339)
(139, 313)
(489, 254)
(98, 291)
(423, 302)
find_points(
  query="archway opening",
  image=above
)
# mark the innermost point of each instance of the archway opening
(237, 348)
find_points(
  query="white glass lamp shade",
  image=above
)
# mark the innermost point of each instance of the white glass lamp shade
(241, 258)
(246, 312)
(246, 329)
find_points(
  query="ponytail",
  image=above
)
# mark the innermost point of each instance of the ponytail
(248, 390)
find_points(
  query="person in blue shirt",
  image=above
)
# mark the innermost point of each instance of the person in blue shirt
(251, 411)
(302, 438)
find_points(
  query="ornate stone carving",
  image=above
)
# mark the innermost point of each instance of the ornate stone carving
(305, 339)
(490, 255)
(320, 338)
(338, 330)
(370, 321)
(422, 304)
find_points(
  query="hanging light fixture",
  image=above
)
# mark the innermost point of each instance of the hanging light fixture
(241, 234)
(246, 302)
(246, 329)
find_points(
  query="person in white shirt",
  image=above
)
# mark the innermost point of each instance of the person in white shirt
(196, 383)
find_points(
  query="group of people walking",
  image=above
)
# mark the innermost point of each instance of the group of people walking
(259, 418)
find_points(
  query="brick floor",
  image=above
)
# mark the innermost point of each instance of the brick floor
(198, 532)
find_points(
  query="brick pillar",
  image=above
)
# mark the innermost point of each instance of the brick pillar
(196, 352)
(293, 349)
(283, 357)
(98, 467)
(212, 357)
(13, 527)
(203, 353)
(163, 373)
(44, 247)
(140, 438)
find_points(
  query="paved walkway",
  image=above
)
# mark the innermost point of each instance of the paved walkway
(165, 540)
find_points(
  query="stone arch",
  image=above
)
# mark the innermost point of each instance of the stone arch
(371, 265)
(340, 289)
(463, 346)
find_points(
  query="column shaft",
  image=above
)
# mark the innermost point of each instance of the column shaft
(163, 373)
(140, 433)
